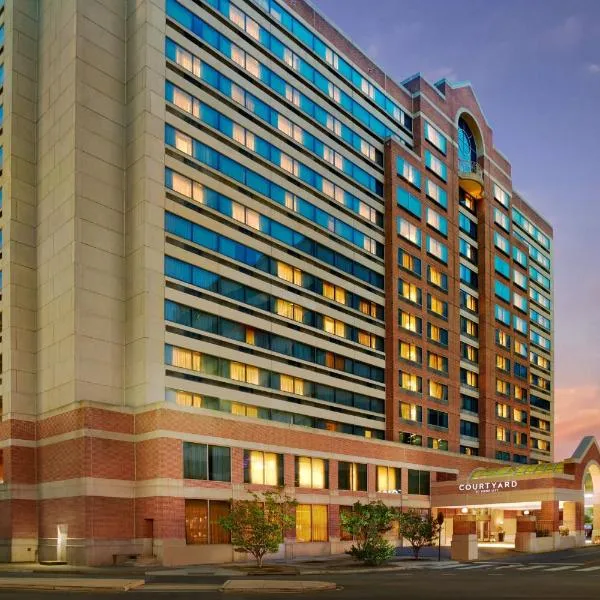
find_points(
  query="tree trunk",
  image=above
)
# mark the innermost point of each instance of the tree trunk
(259, 560)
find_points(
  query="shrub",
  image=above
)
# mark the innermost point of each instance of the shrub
(420, 530)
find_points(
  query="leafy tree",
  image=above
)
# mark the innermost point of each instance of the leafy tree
(257, 526)
(420, 530)
(367, 523)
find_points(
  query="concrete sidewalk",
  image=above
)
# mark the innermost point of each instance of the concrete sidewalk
(66, 584)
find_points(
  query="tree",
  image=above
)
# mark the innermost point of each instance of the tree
(420, 530)
(367, 523)
(257, 526)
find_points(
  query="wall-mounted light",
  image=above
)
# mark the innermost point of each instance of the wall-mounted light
(525, 512)
(464, 510)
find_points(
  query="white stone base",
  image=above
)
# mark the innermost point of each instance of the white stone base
(464, 547)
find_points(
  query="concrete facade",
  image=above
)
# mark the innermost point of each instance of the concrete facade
(201, 247)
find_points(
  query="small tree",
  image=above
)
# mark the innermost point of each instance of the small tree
(420, 530)
(367, 523)
(257, 526)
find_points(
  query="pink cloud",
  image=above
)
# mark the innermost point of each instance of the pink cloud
(577, 415)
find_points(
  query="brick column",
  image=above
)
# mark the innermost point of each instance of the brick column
(549, 515)
(573, 519)
(525, 536)
(464, 538)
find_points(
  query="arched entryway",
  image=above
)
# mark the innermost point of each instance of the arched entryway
(591, 491)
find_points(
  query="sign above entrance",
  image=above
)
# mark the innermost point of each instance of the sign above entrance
(487, 487)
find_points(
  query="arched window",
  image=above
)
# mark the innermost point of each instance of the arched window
(467, 150)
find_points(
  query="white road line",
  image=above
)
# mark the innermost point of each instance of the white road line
(587, 569)
(487, 566)
(563, 568)
(509, 566)
(532, 568)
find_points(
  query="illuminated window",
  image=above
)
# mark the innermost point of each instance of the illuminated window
(437, 362)
(437, 306)
(409, 291)
(437, 444)
(289, 273)
(289, 310)
(202, 522)
(264, 468)
(502, 363)
(469, 353)
(502, 339)
(410, 322)
(411, 352)
(411, 382)
(188, 399)
(438, 391)
(312, 472)
(502, 410)
(183, 143)
(334, 326)
(502, 387)
(291, 385)
(502, 434)
(388, 479)
(311, 523)
(411, 412)
(520, 393)
(469, 378)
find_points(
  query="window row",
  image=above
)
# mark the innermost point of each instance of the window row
(203, 321)
(206, 238)
(207, 364)
(416, 439)
(410, 382)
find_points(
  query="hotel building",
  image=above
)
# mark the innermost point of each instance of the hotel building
(236, 254)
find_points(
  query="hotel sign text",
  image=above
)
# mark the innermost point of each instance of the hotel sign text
(487, 487)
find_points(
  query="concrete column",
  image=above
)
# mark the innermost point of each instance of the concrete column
(525, 540)
(464, 538)
(596, 523)
(573, 520)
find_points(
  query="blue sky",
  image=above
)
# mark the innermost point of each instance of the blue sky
(535, 67)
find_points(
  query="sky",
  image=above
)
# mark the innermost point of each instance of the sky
(535, 68)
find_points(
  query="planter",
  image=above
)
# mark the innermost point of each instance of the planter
(501, 536)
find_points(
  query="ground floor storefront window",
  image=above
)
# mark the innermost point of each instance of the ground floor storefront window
(202, 522)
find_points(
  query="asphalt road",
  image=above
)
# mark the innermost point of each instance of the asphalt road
(493, 581)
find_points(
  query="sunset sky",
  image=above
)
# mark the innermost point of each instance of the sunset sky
(535, 67)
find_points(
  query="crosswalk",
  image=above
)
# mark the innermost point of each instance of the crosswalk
(515, 567)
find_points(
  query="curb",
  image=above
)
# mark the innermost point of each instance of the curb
(55, 583)
(275, 586)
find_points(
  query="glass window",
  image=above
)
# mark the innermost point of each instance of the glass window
(311, 523)
(312, 472)
(352, 476)
(411, 352)
(408, 202)
(437, 418)
(411, 382)
(409, 231)
(211, 463)
(388, 479)
(408, 172)
(264, 468)
(411, 412)
(419, 482)
(436, 193)
(202, 522)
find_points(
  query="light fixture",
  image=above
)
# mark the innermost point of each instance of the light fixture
(464, 510)
(525, 512)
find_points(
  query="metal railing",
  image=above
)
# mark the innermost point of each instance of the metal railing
(468, 167)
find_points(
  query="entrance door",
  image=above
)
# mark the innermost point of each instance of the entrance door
(483, 531)
(148, 539)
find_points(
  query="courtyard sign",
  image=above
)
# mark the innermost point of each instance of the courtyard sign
(487, 487)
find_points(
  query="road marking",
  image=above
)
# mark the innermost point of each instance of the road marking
(509, 566)
(532, 568)
(587, 569)
(486, 566)
(563, 568)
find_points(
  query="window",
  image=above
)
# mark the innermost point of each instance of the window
(435, 220)
(501, 243)
(202, 522)
(467, 250)
(540, 341)
(520, 370)
(502, 267)
(437, 307)
(502, 291)
(437, 334)
(502, 387)
(209, 463)
(502, 314)
(436, 193)
(264, 468)
(467, 226)
(468, 451)
(469, 328)
(388, 479)
(409, 231)
(502, 363)
(438, 391)
(408, 172)
(437, 278)
(520, 324)
(469, 353)
(469, 429)
(435, 165)
(520, 415)
(468, 277)
(435, 137)
(410, 292)
(437, 418)
(520, 257)
(501, 196)
(409, 202)
(410, 322)
(352, 476)
(502, 434)
(311, 523)
(469, 404)
(437, 444)
(437, 249)
(520, 302)
(411, 382)
(409, 263)
(413, 439)
(521, 348)
(520, 393)
(502, 339)
(411, 352)
(418, 482)
(468, 301)
(502, 455)
(312, 472)
(411, 412)
(469, 378)
(519, 279)
(502, 410)
(437, 362)
(501, 219)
